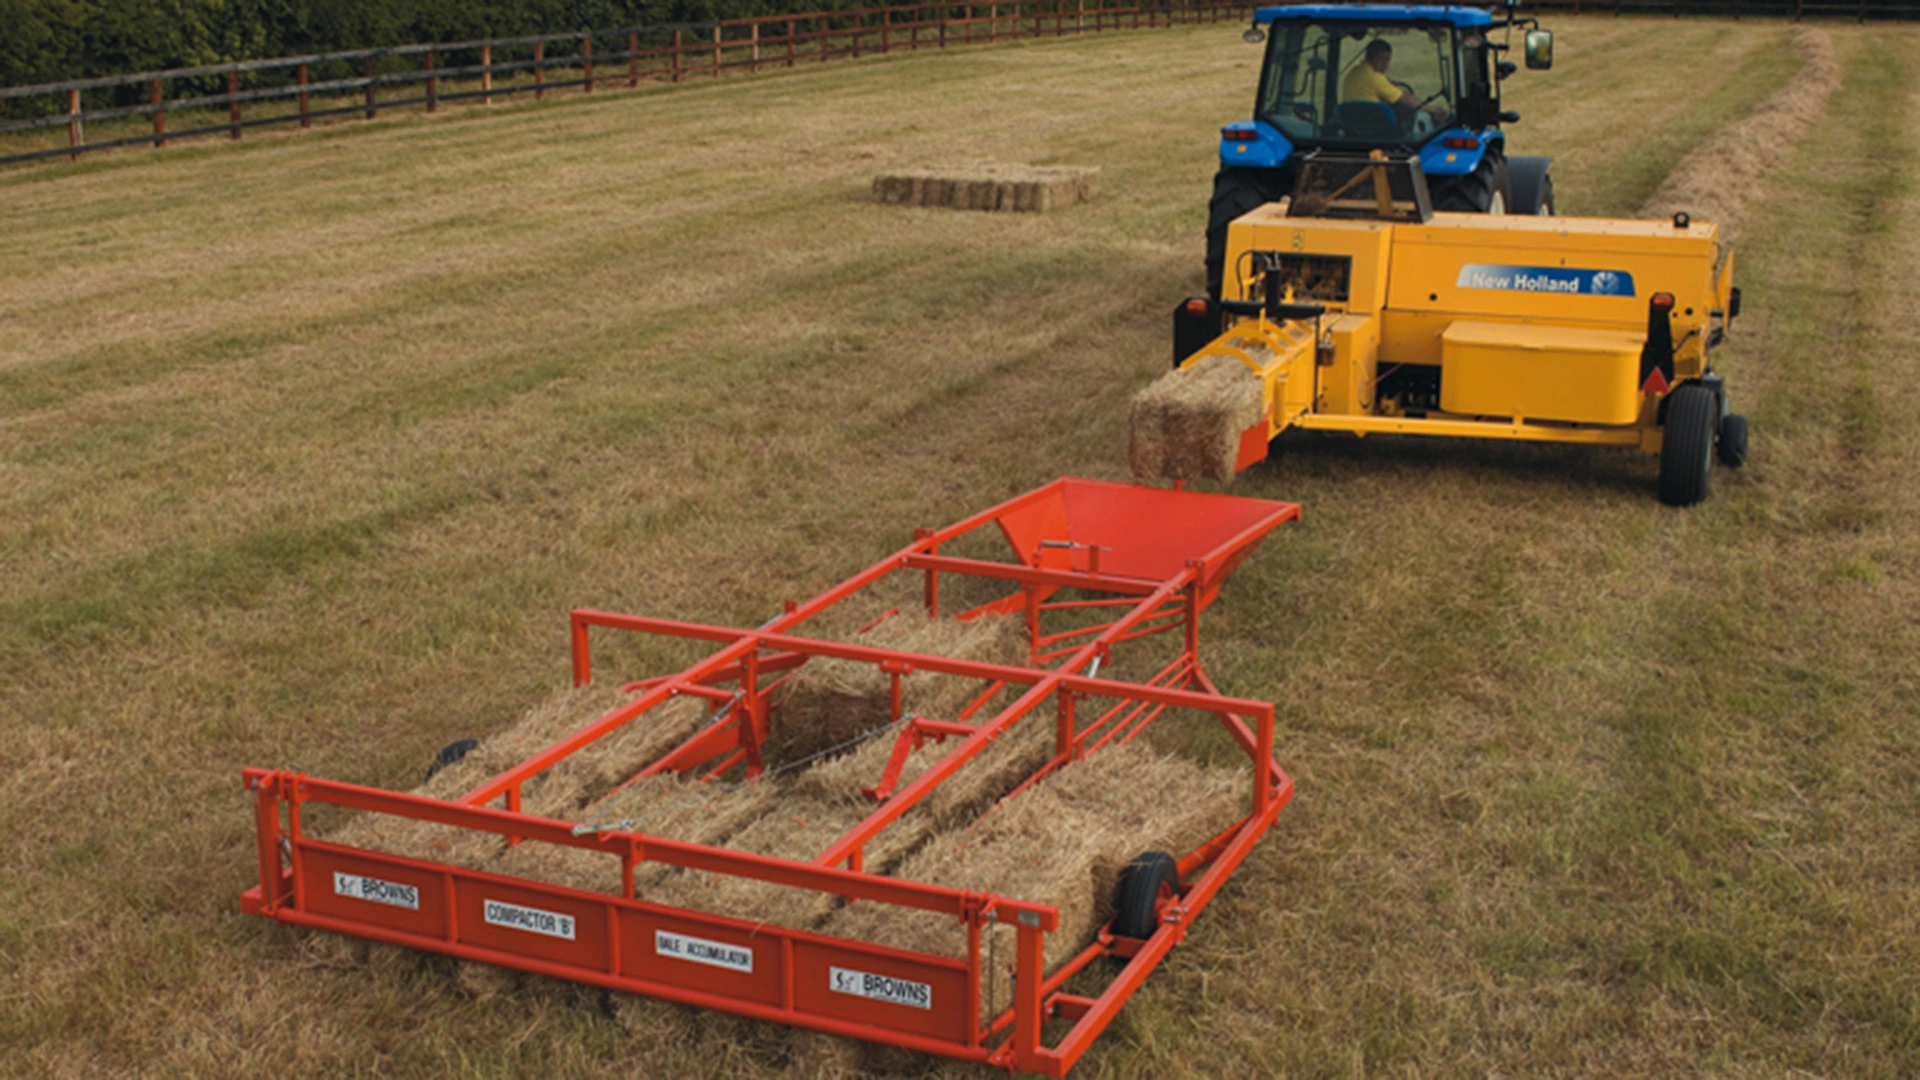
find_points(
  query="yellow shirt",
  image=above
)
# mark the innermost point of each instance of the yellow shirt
(1364, 83)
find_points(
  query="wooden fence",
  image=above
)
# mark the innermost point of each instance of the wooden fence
(302, 89)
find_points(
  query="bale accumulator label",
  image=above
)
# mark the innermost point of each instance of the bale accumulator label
(374, 890)
(701, 951)
(885, 988)
(1545, 279)
(532, 920)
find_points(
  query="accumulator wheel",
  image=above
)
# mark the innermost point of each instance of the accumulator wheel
(1151, 879)
(1686, 448)
(451, 754)
(1733, 440)
(1485, 190)
(1235, 191)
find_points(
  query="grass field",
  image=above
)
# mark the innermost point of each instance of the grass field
(308, 444)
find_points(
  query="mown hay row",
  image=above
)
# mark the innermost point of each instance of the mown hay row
(1006, 188)
(1063, 842)
(827, 702)
(1188, 423)
(1717, 180)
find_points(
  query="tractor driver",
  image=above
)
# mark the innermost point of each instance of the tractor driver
(1367, 81)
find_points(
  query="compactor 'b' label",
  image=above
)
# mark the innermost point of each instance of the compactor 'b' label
(532, 920)
(374, 890)
(885, 988)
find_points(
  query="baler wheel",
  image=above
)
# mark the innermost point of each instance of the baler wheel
(1149, 881)
(1733, 440)
(450, 754)
(1686, 449)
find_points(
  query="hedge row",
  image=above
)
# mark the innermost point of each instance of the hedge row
(57, 40)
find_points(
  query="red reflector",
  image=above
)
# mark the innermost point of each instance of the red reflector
(1196, 306)
(1238, 134)
(1656, 383)
(1458, 142)
(1663, 301)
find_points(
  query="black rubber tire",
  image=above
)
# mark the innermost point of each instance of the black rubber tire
(1530, 179)
(1235, 191)
(1733, 440)
(1547, 207)
(451, 754)
(1686, 449)
(1478, 192)
(1147, 878)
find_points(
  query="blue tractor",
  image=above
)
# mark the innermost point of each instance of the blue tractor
(1409, 81)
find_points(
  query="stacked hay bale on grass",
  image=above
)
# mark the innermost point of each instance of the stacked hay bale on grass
(1020, 188)
(1187, 425)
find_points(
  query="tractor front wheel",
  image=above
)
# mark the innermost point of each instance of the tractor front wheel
(1235, 191)
(1148, 882)
(1686, 447)
(1485, 190)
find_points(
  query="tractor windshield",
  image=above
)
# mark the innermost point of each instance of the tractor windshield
(1357, 84)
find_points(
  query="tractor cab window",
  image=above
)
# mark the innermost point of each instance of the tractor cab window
(1359, 84)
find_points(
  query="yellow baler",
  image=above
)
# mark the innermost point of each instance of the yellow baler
(1552, 329)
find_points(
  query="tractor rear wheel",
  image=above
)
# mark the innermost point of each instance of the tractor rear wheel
(1733, 440)
(1485, 190)
(1686, 447)
(1235, 191)
(1149, 881)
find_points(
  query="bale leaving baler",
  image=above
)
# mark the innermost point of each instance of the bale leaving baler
(1354, 307)
(945, 883)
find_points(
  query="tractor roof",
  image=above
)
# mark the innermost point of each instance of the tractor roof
(1377, 13)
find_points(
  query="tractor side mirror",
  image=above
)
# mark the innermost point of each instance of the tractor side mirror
(1254, 35)
(1539, 49)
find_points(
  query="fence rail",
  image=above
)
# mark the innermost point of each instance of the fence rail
(671, 53)
(1858, 10)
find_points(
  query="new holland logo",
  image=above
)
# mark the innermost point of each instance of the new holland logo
(1562, 280)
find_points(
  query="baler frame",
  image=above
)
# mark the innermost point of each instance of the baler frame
(1157, 556)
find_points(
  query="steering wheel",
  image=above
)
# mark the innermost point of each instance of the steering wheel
(1305, 112)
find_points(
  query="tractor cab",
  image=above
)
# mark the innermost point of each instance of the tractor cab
(1408, 80)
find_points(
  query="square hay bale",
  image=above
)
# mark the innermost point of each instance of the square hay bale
(827, 701)
(989, 186)
(1187, 424)
(1065, 842)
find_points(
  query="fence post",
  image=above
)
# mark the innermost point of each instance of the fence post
(716, 50)
(633, 61)
(676, 56)
(539, 70)
(367, 68)
(754, 63)
(76, 128)
(945, 15)
(233, 104)
(789, 42)
(306, 121)
(486, 74)
(433, 85)
(586, 61)
(993, 22)
(160, 115)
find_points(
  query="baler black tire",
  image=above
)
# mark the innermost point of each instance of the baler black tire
(1530, 180)
(1145, 881)
(1686, 447)
(1476, 192)
(1235, 191)
(450, 754)
(1733, 440)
